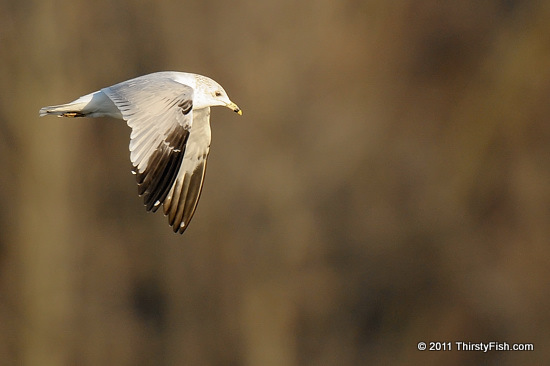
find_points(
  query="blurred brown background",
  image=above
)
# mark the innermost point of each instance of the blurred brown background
(388, 183)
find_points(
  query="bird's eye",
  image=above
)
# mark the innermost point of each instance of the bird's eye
(218, 93)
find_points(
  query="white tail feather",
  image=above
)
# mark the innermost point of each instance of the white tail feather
(92, 105)
(63, 109)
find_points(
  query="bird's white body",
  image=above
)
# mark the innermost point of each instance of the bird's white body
(169, 113)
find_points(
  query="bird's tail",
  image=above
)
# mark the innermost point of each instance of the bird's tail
(96, 104)
(76, 108)
(73, 109)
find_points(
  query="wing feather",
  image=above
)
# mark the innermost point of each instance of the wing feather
(169, 143)
(181, 202)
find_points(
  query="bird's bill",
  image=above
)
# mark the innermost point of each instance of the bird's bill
(235, 108)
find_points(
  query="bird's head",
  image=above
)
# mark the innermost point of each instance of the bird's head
(209, 93)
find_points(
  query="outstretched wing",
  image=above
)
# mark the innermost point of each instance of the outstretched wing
(162, 147)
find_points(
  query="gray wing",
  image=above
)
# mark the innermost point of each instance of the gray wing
(160, 112)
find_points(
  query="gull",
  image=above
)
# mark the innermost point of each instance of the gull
(169, 114)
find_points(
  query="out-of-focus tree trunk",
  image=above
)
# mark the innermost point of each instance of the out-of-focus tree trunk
(47, 237)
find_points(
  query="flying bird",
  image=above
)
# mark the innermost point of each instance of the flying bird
(169, 114)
